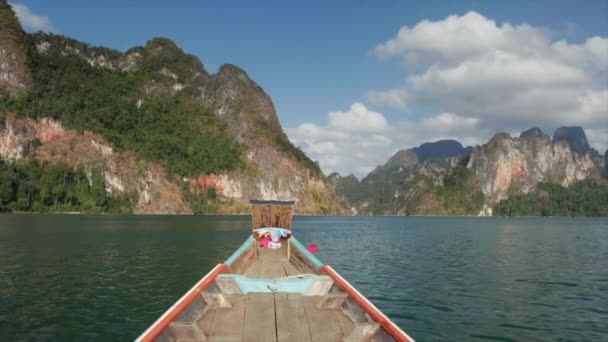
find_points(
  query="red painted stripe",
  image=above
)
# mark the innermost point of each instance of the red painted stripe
(163, 322)
(366, 305)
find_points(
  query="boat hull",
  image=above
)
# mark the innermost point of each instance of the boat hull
(286, 294)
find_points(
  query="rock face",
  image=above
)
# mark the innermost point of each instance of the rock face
(397, 187)
(404, 159)
(47, 141)
(274, 168)
(474, 181)
(532, 133)
(574, 136)
(606, 163)
(440, 149)
(242, 104)
(517, 164)
(14, 75)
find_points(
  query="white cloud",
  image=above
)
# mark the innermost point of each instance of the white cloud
(30, 20)
(505, 76)
(358, 119)
(447, 122)
(349, 148)
(482, 77)
(395, 98)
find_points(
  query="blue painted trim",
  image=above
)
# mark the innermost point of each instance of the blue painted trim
(240, 251)
(288, 285)
(301, 248)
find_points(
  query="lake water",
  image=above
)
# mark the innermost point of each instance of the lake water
(77, 278)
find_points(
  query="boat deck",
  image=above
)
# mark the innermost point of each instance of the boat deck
(274, 264)
(268, 317)
(262, 294)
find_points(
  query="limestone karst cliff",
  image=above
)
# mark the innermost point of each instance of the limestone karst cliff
(63, 101)
(14, 75)
(471, 181)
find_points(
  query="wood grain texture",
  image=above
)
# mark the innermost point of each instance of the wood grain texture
(272, 269)
(290, 269)
(362, 332)
(260, 318)
(229, 321)
(290, 313)
(323, 324)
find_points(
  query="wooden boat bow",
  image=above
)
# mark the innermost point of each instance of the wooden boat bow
(281, 294)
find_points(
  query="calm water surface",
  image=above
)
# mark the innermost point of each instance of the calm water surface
(76, 278)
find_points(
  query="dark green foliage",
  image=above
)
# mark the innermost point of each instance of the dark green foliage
(187, 138)
(201, 203)
(55, 188)
(585, 198)
(295, 152)
(459, 195)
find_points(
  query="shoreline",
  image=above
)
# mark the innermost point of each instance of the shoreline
(72, 213)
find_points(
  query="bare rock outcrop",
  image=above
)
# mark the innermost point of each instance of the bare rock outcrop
(508, 164)
(14, 74)
(124, 174)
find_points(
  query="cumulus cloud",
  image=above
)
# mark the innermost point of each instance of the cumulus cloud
(361, 139)
(468, 77)
(395, 98)
(505, 76)
(358, 119)
(30, 20)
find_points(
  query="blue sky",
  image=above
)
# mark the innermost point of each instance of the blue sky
(315, 58)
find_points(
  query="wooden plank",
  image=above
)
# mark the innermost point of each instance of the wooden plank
(333, 301)
(354, 311)
(299, 265)
(319, 287)
(362, 332)
(346, 324)
(224, 339)
(272, 269)
(382, 336)
(290, 269)
(216, 300)
(291, 318)
(260, 318)
(186, 331)
(265, 217)
(228, 286)
(254, 270)
(229, 321)
(273, 254)
(324, 325)
(244, 260)
(298, 258)
(205, 323)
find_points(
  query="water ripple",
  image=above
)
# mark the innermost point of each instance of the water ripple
(441, 279)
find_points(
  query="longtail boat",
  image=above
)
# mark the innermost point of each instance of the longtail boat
(273, 289)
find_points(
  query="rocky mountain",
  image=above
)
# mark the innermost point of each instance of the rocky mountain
(14, 75)
(441, 149)
(413, 156)
(574, 136)
(507, 164)
(153, 121)
(531, 133)
(471, 181)
(403, 184)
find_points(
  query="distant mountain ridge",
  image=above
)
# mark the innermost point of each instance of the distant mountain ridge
(152, 121)
(444, 178)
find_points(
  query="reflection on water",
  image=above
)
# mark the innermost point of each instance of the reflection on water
(109, 277)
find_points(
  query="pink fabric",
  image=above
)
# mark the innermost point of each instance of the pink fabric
(265, 241)
(313, 248)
